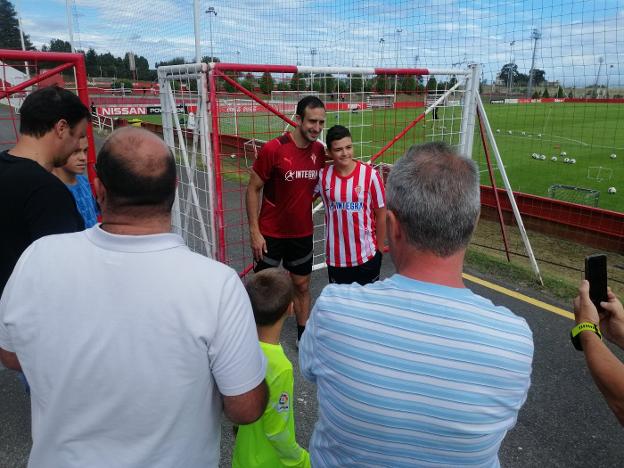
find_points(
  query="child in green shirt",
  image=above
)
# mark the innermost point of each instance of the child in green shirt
(270, 441)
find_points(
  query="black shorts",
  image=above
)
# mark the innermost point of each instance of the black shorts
(365, 273)
(296, 254)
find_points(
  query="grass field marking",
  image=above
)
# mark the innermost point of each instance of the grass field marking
(521, 297)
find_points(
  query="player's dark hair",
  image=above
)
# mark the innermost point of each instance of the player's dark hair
(270, 291)
(308, 102)
(43, 108)
(129, 186)
(337, 132)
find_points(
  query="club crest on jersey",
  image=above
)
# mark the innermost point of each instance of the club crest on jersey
(283, 404)
(358, 189)
(313, 158)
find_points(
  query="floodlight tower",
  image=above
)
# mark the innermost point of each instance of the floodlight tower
(211, 11)
(607, 72)
(382, 41)
(70, 29)
(536, 35)
(313, 53)
(510, 68)
(396, 76)
(600, 62)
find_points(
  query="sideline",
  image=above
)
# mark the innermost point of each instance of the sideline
(519, 296)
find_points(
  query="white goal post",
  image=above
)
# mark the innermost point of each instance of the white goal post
(231, 126)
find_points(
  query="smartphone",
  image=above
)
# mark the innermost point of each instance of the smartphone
(596, 274)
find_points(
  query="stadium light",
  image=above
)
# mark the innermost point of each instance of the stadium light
(396, 76)
(600, 62)
(510, 69)
(607, 72)
(313, 53)
(382, 41)
(536, 35)
(210, 11)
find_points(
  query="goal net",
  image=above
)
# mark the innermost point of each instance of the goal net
(244, 113)
(574, 194)
(22, 72)
(376, 101)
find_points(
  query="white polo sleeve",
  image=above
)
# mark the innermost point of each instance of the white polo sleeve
(236, 360)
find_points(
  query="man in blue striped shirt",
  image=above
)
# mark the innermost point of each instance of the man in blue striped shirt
(417, 370)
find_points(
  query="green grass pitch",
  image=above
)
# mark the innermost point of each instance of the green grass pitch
(588, 133)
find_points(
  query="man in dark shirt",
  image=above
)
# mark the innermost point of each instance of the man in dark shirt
(35, 203)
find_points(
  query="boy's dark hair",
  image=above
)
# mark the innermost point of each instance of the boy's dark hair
(337, 132)
(43, 108)
(308, 102)
(270, 292)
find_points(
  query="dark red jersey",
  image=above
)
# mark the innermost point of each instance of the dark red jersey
(290, 175)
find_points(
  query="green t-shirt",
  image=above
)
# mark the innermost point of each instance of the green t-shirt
(270, 441)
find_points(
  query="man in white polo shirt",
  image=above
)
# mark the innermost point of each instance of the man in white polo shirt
(132, 344)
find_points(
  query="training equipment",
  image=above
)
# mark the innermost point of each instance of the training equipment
(563, 153)
(554, 158)
(613, 156)
(566, 160)
(612, 190)
(572, 161)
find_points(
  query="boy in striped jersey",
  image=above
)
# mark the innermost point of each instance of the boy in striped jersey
(355, 213)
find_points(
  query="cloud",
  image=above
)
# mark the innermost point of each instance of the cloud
(436, 33)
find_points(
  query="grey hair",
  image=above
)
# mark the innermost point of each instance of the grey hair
(434, 194)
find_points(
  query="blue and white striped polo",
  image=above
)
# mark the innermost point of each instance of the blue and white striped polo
(413, 374)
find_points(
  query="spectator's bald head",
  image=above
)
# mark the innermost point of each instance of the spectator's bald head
(138, 171)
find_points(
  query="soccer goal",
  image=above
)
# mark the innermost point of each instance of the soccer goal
(22, 72)
(215, 157)
(574, 194)
(380, 101)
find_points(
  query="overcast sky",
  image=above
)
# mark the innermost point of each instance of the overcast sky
(431, 33)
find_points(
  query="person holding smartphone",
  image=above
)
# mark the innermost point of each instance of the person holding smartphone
(606, 369)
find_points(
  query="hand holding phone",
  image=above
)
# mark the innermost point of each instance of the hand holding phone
(596, 274)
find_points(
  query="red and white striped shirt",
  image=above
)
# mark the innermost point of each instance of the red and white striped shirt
(350, 238)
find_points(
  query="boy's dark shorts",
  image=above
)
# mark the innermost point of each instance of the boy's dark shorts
(365, 273)
(296, 254)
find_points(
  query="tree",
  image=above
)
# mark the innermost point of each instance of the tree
(380, 83)
(266, 83)
(173, 61)
(507, 70)
(432, 84)
(295, 82)
(539, 76)
(57, 45)
(536, 95)
(408, 84)
(208, 59)
(9, 29)
(545, 94)
(330, 83)
(560, 93)
(357, 84)
(249, 82)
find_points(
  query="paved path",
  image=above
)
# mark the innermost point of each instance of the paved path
(564, 422)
